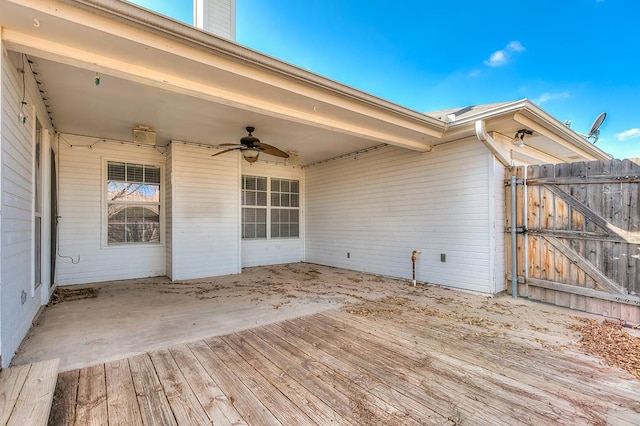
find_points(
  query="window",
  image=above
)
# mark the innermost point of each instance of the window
(254, 207)
(285, 204)
(279, 206)
(133, 203)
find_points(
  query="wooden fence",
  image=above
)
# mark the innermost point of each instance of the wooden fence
(578, 235)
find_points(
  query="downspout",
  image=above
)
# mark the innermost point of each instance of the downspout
(491, 144)
(514, 246)
(496, 149)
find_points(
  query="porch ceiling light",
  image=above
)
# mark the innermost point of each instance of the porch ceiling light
(518, 139)
(250, 154)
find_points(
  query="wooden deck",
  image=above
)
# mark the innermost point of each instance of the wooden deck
(395, 361)
(26, 392)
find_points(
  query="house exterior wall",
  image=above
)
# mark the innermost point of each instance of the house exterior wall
(85, 256)
(20, 299)
(168, 211)
(278, 250)
(216, 16)
(370, 213)
(205, 207)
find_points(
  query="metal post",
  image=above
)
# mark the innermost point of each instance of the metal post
(514, 247)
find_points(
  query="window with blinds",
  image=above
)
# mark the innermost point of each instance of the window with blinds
(270, 201)
(133, 203)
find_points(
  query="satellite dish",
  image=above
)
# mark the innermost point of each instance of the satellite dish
(595, 127)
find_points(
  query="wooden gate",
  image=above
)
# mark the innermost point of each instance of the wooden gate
(578, 235)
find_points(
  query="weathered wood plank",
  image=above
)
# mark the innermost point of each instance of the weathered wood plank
(63, 411)
(316, 409)
(567, 288)
(586, 266)
(375, 404)
(91, 407)
(217, 405)
(11, 383)
(305, 370)
(34, 401)
(248, 405)
(510, 367)
(152, 401)
(184, 404)
(269, 395)
(122, 403)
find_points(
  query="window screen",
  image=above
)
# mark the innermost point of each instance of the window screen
(133, 203)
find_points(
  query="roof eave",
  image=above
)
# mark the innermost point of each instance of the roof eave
(176, 30)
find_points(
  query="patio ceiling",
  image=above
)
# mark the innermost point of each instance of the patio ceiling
(191, 86)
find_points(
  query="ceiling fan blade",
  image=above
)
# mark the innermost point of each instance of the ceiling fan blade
(225, 151)
(271, 150)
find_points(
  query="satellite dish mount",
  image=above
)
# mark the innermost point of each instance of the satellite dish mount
(594, 131)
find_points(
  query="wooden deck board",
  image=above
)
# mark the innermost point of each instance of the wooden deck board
(122, 402)
(184, 404)
(91, 405)
(26, 393)
(152, 401)
(392, 364)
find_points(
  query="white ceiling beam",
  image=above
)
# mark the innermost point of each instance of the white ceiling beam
(108, 65)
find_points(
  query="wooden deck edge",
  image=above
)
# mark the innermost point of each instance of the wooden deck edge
(26, 393)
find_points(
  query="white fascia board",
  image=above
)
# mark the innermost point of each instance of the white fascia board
(539, 121)
(138, 25)
(531, 116)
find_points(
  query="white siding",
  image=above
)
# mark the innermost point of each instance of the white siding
(205, 213)
(275, 251)
(217, 17)
(380, 207)
(81, 228)
(17, 197)
(168, 222)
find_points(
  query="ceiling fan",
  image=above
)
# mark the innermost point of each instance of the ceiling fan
(251, 147)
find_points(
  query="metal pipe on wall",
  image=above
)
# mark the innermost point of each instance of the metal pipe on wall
(514, 246)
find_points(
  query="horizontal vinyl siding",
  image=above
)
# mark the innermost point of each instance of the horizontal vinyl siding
(219, 18)
(277, 250)
(168, 185)
(81, 227)
(386, 203)
(205, 207)
(16, 220)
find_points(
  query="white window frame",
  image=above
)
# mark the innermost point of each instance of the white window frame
(105, 204)
(269, 208)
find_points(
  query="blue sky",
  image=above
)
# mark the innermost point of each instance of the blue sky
(573, 58)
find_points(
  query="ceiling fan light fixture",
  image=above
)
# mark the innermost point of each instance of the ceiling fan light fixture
(250, 154)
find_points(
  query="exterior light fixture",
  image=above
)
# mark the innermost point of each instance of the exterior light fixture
(518, 139)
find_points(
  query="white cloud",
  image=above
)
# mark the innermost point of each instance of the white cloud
(515, 46)
(475, 73)
(628, 134)
(548, 96)
(501, 57)
(497, 59)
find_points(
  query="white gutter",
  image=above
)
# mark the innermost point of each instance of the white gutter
(492, 144)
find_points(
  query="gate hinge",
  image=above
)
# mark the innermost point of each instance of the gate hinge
(521, 230)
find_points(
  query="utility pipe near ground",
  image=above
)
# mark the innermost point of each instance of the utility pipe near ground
(414, 258)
